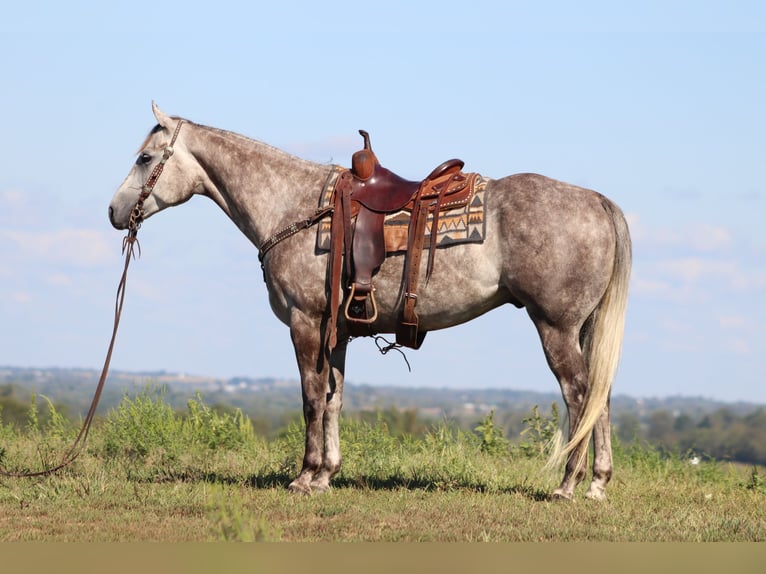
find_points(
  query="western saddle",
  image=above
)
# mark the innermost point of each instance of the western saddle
(364, 195)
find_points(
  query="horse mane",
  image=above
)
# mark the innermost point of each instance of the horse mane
(273, 150)
(230, 135)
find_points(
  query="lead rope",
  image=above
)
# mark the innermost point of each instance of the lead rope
(129, 245)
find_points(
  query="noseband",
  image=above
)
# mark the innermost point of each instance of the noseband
(137, 215)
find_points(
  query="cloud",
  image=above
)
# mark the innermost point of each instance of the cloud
(727, 275)
(336, 149)
(59, 280)
(651, 287)
(697, 237)
(738, 346)
(693, 269)
(20, 297)
(10, 198)
(733, 321)
(78, 247)
(694, 262)
(729, 333)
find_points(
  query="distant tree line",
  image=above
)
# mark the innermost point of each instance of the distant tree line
(722, 434)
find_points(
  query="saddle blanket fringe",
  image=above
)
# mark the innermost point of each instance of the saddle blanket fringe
(464, 224)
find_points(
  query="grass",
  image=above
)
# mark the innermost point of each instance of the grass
(150, 474)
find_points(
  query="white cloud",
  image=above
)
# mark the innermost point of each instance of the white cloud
(693, 269)
(12, 198)
(21, 297)
(654, 287)
(79, 247)
(733, 321)
(59, 280)
(700, 237)
(738, 346)
(675, 326)
(336, 149)
(709, 275)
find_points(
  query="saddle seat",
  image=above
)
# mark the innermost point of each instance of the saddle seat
(364, 195)
(386, 192)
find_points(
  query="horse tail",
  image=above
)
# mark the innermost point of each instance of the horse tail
(601, 342)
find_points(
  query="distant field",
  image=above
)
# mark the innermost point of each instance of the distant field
(151, 474)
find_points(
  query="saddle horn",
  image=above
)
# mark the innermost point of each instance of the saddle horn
(364, 161)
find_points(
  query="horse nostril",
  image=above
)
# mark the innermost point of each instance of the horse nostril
(111, 216)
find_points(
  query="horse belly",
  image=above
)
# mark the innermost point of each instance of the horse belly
(465, 283)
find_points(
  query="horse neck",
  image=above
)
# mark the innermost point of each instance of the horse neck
(261, 188)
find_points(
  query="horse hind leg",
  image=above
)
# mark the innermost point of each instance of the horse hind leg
(602, 457)
(602, 439)
(565, 359)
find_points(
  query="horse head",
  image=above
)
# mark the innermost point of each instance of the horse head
(143, 185)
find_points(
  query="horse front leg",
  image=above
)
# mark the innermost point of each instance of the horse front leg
(321, 403)
(331, 461)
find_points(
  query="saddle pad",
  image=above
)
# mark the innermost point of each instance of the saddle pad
(464, 224)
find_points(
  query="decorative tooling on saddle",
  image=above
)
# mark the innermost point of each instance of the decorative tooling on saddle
(376, 213)
(463, 223)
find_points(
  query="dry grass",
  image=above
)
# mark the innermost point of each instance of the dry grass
(96, 501)
(441, 488)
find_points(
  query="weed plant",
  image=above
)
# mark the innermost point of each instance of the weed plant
(152, 473)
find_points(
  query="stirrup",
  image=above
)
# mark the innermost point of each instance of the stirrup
(371, 297)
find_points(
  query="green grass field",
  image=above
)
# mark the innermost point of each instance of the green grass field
(151, 474)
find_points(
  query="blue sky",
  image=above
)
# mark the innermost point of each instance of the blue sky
(659, 105)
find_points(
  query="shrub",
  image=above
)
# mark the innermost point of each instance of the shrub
(206, 427)
(142, 424)
(539, 432)
(491, 436)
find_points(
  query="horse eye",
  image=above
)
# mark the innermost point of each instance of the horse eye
(143, 159)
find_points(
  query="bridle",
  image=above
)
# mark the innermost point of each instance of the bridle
(137, 214)
(129, 243)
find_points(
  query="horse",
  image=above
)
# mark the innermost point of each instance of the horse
(561, 252)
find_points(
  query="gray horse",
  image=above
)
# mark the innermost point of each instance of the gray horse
(560, 251)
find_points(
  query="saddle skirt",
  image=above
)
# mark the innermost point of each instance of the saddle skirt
(360, 238)
(459, 221)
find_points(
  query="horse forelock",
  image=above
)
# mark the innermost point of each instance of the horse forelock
(155, 130)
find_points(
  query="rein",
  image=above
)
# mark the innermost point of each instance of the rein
(129, 245)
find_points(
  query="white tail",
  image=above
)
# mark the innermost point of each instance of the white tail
(602, 343)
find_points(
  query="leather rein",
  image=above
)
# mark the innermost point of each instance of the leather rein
(129, 244)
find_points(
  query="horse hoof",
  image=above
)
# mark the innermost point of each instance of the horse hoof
(595, 494)
(298, 488)
(319, 487)
(559, 495)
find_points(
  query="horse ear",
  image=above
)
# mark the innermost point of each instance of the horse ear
(162, 118)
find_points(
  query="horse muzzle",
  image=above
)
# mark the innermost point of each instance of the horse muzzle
(117, 224)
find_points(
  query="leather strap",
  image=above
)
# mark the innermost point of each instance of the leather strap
(407, 330)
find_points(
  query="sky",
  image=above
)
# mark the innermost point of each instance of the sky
(657, 104)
